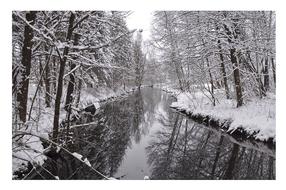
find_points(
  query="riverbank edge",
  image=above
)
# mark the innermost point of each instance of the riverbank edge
(223, 124)
(25, 166)
(96, 104)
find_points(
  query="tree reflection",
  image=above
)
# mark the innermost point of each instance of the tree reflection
(186, 150)
(137, 115)
(180, 148)
(105, 141)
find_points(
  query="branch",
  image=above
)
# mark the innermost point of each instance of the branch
(42, 74)
(34, 28)
(72, 71)
(104, 45)
(41, 33)
(17, 133)
(93, 63)
(80, 21)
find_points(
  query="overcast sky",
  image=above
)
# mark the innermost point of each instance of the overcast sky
(140, 19)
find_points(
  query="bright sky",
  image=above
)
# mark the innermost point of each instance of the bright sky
(140, 19)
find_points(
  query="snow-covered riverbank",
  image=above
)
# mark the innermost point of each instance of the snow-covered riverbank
(256, 117)
(30, 148)
(96, 96)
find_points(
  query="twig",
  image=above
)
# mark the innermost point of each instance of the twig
(52, 142)
(42, 74)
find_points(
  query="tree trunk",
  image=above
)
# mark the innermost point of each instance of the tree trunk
(266, 67)
(70, 90)
(54, 76)
(22, 94)
(40, 71)
(211, 81)
(236, 75)
(222, 66)
(47, 82)
(233, 58)
(15, 70)
(79, 89)
(71, 84)
(273, 70)
(266, 75)
(60, 80)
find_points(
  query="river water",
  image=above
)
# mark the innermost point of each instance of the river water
(140, 135)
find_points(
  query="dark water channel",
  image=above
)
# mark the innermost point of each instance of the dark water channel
(141, 136)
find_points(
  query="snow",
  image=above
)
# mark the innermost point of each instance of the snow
(32, 152)
(146, 177)
(256, 116)
(43, 127)
(96, 105)
(87, 162)
(58, 149)
(100, 94)
(79, 157)
(29, 148)
(112, 178)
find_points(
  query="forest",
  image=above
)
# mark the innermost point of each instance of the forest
(196, 99)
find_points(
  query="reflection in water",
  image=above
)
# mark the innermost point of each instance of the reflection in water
(187, 150)
(140, 135)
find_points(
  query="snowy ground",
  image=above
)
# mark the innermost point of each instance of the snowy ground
(256, 117)
(97, 95)
(29, 148)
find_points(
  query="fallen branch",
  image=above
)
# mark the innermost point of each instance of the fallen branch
(67, 151)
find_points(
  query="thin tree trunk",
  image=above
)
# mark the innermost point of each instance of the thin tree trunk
(266, 75)
(222, 66)
(22, 94)
(70, 90)
(47, 81)
(211, 81)
(71, 84)
(79, 89)
(15, 70)
(60, 80)
(54, 79)
(236, 73)
(273, 70)
(40, 71)
(266, 67)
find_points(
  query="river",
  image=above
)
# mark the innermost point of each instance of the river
(140, 135)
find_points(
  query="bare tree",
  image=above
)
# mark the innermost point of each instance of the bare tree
(22, 93)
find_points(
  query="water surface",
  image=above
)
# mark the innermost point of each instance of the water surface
(141, 135)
